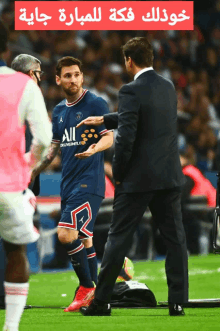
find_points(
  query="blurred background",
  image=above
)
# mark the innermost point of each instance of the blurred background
(190, 59)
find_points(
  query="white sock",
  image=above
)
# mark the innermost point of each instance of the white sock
(15, 300)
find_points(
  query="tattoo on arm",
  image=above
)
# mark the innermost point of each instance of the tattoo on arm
(53, 150)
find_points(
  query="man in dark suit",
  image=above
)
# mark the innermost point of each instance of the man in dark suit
(147, 172)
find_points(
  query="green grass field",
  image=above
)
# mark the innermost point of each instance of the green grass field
(57, 289)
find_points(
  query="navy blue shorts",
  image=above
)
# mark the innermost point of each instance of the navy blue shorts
(79, 213)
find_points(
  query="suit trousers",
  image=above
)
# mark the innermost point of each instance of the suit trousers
(128, 209)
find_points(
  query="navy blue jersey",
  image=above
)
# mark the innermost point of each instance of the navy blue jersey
(85, 175)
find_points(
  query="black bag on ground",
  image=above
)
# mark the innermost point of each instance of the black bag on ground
(132, 294)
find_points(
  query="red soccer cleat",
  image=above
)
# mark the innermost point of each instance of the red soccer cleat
(83, 297)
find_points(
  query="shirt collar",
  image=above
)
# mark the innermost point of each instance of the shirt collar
(142, 71)
(70, 104)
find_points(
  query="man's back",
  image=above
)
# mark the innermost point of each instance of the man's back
(20, 99)
(154, 162)
(14, 170)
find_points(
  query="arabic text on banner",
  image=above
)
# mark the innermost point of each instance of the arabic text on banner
(104, 15)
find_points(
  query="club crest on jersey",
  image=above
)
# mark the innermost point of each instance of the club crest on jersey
(79, 116)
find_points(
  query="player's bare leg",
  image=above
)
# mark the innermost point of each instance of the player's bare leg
(16, 284)
(78, 256)
(17, 263)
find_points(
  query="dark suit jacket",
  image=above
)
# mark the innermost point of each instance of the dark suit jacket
(146, 153)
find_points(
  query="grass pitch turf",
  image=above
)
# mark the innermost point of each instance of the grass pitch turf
(57, 289)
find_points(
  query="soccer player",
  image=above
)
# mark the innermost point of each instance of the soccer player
(20, 99)
(83, 179)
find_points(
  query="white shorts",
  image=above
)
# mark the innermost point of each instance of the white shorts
(16, 217)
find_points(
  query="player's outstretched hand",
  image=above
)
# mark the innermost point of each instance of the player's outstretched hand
(89, 152)
(92, 120)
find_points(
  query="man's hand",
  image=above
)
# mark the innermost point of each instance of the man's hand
(89, 152)
(27, 157)
(92, 120)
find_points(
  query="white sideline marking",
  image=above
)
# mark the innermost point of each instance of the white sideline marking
(193, 272)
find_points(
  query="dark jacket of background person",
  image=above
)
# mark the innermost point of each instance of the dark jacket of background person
(148, 158)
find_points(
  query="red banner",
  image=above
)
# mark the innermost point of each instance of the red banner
(104, 15)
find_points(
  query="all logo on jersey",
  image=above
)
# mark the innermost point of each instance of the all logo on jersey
(61, 120)
(69, 137)
(79, 116)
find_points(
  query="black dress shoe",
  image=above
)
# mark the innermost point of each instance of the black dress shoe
(176, 309)
(96, 310)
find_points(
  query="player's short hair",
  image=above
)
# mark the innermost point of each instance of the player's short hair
(3, 37)
(24, 63)
(140, 51)
(67, 61)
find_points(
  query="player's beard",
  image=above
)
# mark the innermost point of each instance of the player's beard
(69, 91)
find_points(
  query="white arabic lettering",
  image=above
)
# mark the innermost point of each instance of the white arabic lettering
(88, 17)
(62, 17)
(182, 17)
(173, 18)
(113, 16)
(130, 15)
(30, 21)
(154, 16)
(72, 20)
(44, 17)
(165, 16)
(23, 17)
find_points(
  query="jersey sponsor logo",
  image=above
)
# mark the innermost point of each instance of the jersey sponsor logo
(69, 138)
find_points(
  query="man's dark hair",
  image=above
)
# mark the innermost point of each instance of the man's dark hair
(3, 37)
(140, 51)
(67, 61)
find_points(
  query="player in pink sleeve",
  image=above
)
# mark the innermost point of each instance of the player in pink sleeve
(20, 99)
